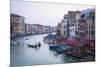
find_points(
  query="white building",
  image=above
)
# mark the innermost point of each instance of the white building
(77, 21)
(65, 26)
(28, 29)
(72, 31)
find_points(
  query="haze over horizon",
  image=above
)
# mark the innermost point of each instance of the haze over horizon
(43, 13)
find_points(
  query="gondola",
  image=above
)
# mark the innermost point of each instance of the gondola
(32, 45)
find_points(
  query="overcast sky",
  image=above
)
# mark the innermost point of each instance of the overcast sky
(43, 13)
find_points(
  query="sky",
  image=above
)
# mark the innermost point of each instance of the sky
(44, 13)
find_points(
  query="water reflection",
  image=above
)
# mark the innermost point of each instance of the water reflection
(22, 54)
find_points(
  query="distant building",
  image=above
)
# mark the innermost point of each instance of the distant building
(47, 29)
(20, 28)
(28, 29)
(17, 25)
(55, 29)
(34, 29)
(40, 29)
(59, 29)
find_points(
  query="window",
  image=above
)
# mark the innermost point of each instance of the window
(92, 32)
(83, 16)
(93, 18)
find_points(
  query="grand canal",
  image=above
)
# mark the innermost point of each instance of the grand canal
(23, 55)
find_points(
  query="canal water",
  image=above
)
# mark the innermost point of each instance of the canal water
(22, 55)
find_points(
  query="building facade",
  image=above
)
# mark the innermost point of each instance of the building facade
(59, 29)
(77, 21)
(91, 26)
(17, 25)
(87, 24)
(63, 27)
(28, 29)
(72, 17)
(72, 30)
